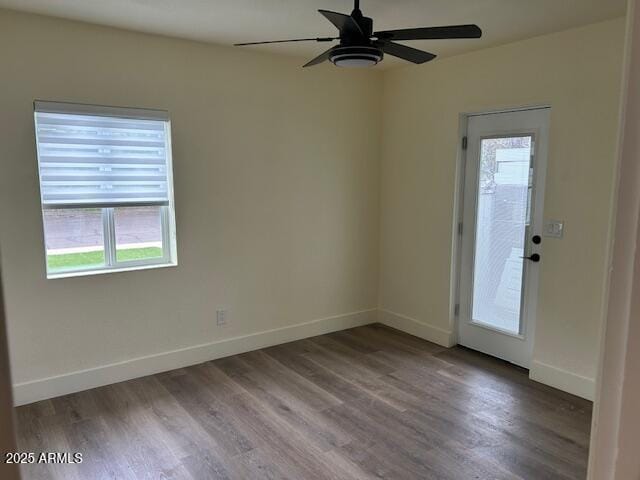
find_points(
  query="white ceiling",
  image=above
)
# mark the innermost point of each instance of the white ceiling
(229, 21)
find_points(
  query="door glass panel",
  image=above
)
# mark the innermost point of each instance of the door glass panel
(501, 222)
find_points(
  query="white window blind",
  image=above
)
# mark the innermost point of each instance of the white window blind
(102, 156)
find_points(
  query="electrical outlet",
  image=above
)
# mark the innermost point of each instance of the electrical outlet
(553, 229)
(221, 317)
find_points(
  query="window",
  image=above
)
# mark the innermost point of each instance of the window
(105, 187)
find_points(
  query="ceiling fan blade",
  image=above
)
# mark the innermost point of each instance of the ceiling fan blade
(319, 59)
(325, 39)
(406, 53)
(431, 33)
(346, 24)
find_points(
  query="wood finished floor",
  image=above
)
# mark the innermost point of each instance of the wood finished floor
(370, 402)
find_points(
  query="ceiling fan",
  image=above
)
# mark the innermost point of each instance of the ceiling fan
(360, 46)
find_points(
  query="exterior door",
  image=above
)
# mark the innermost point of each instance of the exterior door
(501, 248)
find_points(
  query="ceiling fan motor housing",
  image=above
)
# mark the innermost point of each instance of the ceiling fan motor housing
(356, 48)
(365, 23)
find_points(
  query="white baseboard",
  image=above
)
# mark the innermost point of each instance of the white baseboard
(44, 388)
(540, 372)
(564, 380)
(412, 326)
(50, 387)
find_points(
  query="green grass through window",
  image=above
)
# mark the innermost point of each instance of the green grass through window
(83, 260)
(131, 254)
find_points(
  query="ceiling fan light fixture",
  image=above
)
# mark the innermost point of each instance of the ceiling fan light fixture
(356, 57)
(361, 47)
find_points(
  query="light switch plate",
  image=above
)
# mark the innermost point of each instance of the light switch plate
(553, 229)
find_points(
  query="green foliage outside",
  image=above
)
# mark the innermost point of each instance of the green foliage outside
(82, 260)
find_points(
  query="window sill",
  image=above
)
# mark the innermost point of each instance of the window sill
(86, 273)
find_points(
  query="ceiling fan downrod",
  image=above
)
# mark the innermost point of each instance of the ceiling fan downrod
(357, 13)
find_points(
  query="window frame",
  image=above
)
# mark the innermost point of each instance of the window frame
(167, 212)
(111, 250)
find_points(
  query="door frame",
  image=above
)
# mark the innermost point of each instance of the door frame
(7, 412)
(458, 217)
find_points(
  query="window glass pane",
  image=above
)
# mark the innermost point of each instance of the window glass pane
(503, 203)
(138, 233)
(74, 239)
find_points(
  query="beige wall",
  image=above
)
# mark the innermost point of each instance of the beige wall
(290, 196)
(578, 73)
(276, 187)
(616, 421)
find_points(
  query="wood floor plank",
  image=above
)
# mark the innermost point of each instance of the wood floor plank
(278, 375)
(184, 435)
(360, 375)
(89, 437)
(212, 416)
(365, 403)
(299, 455)
(377, 461)
(260, 463)
(303, 418)
(130, 434)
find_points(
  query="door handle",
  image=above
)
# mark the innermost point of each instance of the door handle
(535, 258)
